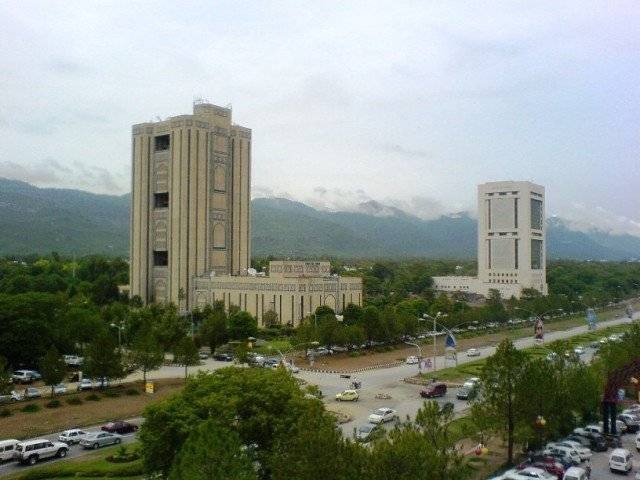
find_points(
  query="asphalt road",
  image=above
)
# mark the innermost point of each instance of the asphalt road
(404, 398)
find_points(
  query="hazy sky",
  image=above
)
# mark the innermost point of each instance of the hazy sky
(408, 103)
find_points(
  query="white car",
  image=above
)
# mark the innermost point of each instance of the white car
(579, 350)
(72, 436)
(588, 430)
(73, 360)
(60, 389)
(412, 360)
(22, 376)
(570, 452)
(7, 449)
(33, 451)
(473, 352)
(584, 452)
(620, 460)
(528, 474)
(203, 355)
(383, 415)
(575, 473)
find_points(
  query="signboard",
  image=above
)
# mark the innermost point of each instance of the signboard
(149, 387)
(592, 319)
(450, 341)
(538, 329)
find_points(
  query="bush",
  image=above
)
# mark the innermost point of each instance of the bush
(354, 354)
(132, 392)
(123, 455)
(93, 397)
(5, 412)
(53, 404)
(30, 408)
(74, 401)
(111, 394)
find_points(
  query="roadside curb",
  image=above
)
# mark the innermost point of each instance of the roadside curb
(356, 370)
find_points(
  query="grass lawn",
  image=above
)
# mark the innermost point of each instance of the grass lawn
(94, 465)
(272, 347)
(473, 369)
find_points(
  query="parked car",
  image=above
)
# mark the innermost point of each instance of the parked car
(432, 390)
(11, 397)
(85, 384)
(579, 350)
(585, 431)
(120, 427)
(22, 376)
(467, 392)
(412, 360)
(598, 443)
(320, 351)
(203, 355)
(291, 367)
(59, 389)
(383, 415)
(73, 360)
(32, 392)
(567, 451)
(562, 458)
(100, 439)
(7, 449)
(631, 421)
(473, 352)
(348, 396)
(620, 460)
(72, 436)
(223, 357)
(583, 452)
(339, 349)
(32, 451)
(576, 473)
(547, 464)
(621, 427)
(528, 474)
(366, 432)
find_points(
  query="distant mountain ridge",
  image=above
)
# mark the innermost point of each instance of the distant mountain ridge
(41, 220)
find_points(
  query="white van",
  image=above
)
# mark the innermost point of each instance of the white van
(575, 473)
(620, 460)
(7, 449)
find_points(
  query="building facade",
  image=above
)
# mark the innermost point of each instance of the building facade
(190, 203)
(293, 289)
(511, 241)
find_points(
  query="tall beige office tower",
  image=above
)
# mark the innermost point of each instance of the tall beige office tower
(190, 203)
(511, 237)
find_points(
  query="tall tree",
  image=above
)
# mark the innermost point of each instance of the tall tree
(242, 325)
(213, 452)
(186, 353)
(214, 326)
(103, 360)
(5, 376)
(53, 368)
(270, 319)
(500, 379)
(146, 353)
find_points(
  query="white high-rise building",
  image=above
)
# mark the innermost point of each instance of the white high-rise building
(511, 241)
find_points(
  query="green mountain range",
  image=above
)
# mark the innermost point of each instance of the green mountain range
(42, 220)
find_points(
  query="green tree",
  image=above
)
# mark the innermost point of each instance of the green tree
(373, 328)
(212, 452)
(53, 368)
(169, 327)
(242, 325)
(352, 314)
(146, 353)
(214, 326)
(500, 379)
(103, 360)
(186, 354)
(270, 319)
(5, 376)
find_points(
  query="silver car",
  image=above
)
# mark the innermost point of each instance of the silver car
(100, 439)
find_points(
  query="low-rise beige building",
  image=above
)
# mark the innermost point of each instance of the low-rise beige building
(293, 289)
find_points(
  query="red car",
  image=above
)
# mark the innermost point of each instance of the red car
(433, 390)
(546, 463)
(120, 427)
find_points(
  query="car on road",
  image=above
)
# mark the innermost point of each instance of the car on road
(347, 396)
(473, 352)
(203, 355)
(382, 415)
(620, 460)
(120, 427)
(433, 390)
(32, 392)
(7, 449)
(367, 432)
(223, 357)
(100, 439)
(412, 360)
(59, 389)
(468, 391)
(22, 376)
(32, 451)
(71, 436)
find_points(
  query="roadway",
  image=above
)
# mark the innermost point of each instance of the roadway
(403, 397)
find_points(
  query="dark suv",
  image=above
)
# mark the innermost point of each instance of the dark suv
(433, 390)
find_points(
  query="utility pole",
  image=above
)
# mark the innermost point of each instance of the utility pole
(434, 343)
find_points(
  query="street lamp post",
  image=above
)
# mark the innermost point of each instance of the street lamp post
(435, 322)
(120, 327)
